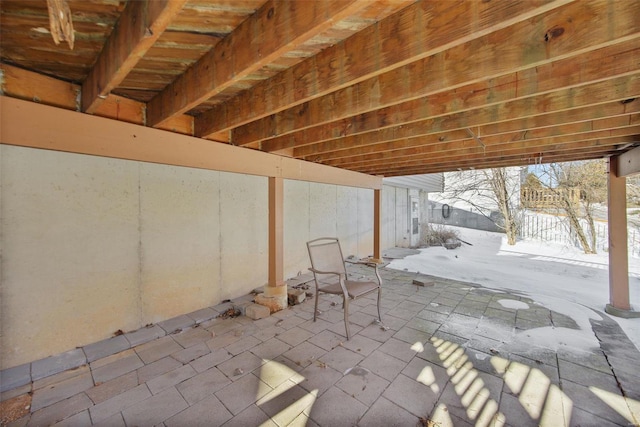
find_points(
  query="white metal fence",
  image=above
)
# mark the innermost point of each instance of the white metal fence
(551, 228)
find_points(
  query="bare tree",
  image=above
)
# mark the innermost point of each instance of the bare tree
(489, 190)
(579, 187)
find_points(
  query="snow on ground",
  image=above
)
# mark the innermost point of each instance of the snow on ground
(558, 277)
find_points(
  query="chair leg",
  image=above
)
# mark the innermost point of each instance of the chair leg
(379, 296)
(345, 305)
(315, 307)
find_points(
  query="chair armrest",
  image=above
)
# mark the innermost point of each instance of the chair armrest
(371, 264)
(325, 272)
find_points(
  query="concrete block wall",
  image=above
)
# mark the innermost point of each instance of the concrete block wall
(313, 210)
(92, 245)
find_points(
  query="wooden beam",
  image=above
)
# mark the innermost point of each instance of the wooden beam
(141, 23)
(30, 86)
(529, 148)
(427, 154)
(279, 26)
(628, 164)
(19, 83)
(602, 64)
(569, 122)
(541, 156)
(577, 28)
(34, 125)
(502, 162)
(433, 146)
(388, 44)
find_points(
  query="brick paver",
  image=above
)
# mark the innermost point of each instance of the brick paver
(451, 353)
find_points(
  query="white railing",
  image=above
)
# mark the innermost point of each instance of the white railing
(552, 228)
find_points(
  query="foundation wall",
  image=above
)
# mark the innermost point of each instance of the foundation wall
(92, 245)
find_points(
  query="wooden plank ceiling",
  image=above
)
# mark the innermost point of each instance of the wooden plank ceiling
(384, 87)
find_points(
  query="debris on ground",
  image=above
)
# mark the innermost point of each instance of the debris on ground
(230, 313)
(494, 351)
(279, 322)
(238, 371)
(426, 422)
(118, 333)
(452, 243)
(14, 409)
(382, 325)
(423, 282)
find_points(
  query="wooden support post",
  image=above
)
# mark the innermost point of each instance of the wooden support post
(618, 255)
(275, 292)
(276, 207)
(377, 225)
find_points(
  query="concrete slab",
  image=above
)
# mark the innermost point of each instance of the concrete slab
(59, 391)
(60, 410)
(118, 367)
(155, 410)
(170, 379)
(54, 364)
(105, 348)
(432, 360)
(15, 377)
(177, 324)
(207, 412)
(118, 403)
(144, 335)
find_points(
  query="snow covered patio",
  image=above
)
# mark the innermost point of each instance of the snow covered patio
(454, 353)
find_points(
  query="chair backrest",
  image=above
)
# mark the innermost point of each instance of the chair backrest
(326, 255)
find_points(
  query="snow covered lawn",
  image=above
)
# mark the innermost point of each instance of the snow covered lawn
(558, 277)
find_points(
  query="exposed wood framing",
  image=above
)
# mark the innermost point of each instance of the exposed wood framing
(485, 58)
(142, 22)
(545, 81)
(34, 125)
(278, 27)
(373, 86)
(27, 85)
(391, 43)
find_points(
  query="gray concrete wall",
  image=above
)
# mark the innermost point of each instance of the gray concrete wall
(313, 210)
(92, 245)
(463, 218)
(118, 244)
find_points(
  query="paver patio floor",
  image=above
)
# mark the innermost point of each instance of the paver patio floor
(446, 354)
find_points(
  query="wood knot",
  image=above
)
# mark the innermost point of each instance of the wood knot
(270, 13)
(553, 33)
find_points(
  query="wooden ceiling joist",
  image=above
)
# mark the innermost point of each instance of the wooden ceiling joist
(593, 139)
(505, 162)
(390, 43)
(598, 65)
(139, 27)
(468, 147)
(515, 159)
(279, 26)
(546, 124)
(385, 87)
(530, 43)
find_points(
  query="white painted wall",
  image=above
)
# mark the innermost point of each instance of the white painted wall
(313, 210)
(91, 245)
